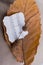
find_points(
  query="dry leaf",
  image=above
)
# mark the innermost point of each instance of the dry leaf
(25, 49)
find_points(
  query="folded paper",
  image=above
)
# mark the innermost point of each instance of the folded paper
(14, 25)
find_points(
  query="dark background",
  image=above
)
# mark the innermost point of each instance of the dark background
(4, 5)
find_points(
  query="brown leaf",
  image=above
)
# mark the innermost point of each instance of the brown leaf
(25, 49)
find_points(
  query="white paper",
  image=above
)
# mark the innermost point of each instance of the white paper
(14, 24)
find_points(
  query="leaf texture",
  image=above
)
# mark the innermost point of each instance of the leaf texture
(25, 49)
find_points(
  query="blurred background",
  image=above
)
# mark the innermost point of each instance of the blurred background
(6, 57)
